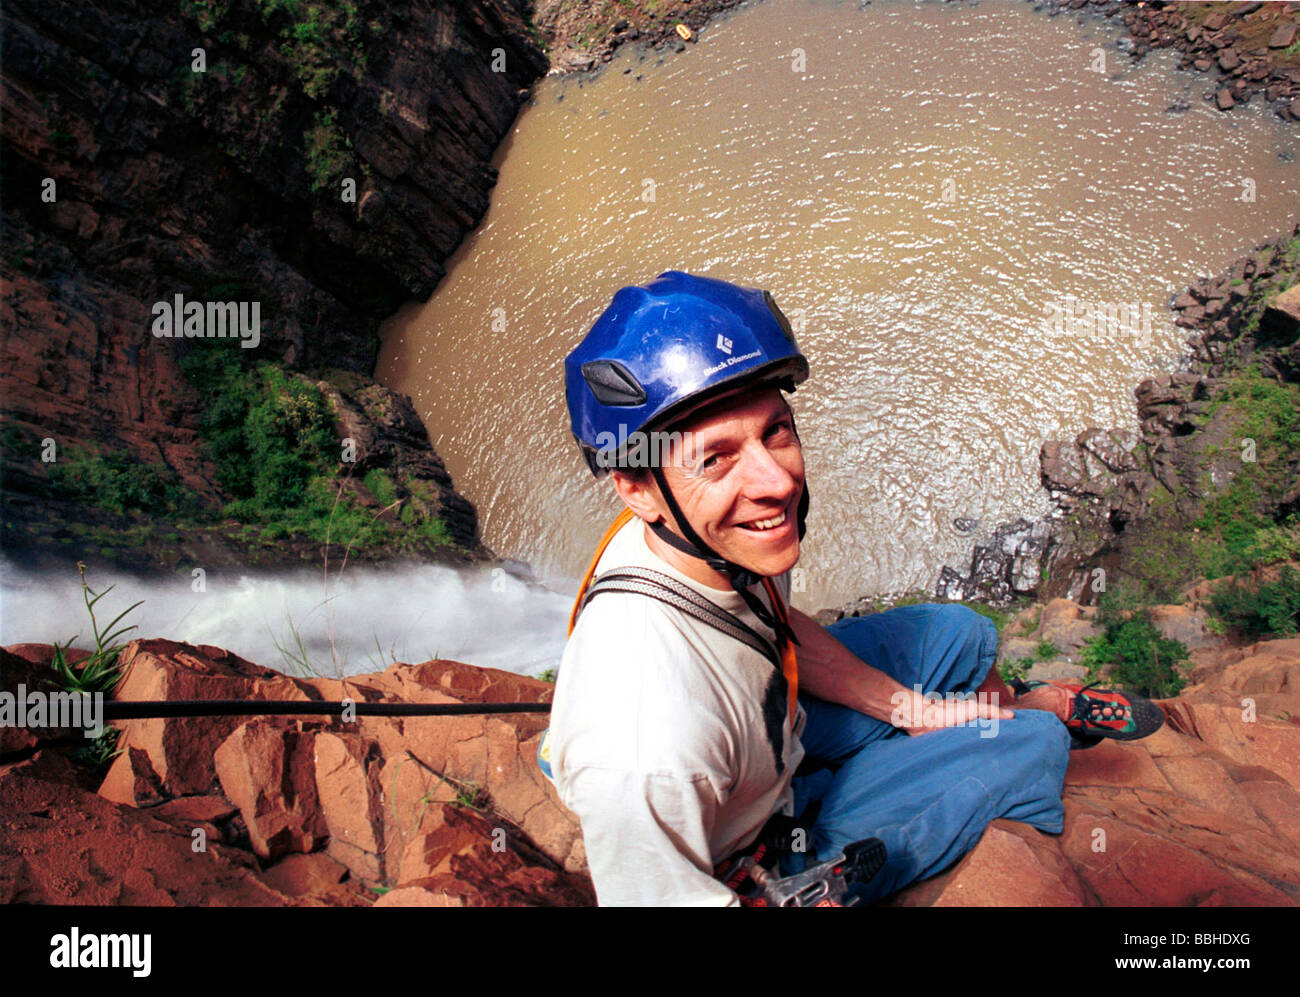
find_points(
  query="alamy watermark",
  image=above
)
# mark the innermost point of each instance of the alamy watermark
(181, 319)
(638, 449)
(933, 709)
(1108, 320)
(102, 950)
(55, 710)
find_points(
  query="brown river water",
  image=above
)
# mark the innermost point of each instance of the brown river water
(975, 232)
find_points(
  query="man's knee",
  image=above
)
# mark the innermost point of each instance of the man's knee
(1035, 735)
(978, 629)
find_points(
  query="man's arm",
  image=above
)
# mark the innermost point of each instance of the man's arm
(830, 671)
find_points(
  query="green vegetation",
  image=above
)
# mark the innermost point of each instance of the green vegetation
(317, 39)
(272, 437)
(1268, 610)
(207, 14)
(12, 439)
(548, 676)
(99, 672)
(1142, 658)
(380, 485)
(469, 795)
(328, 152)
(1018, 668)
(1011, 670)
(1000, 617)
(1236, 529)
(118, 483)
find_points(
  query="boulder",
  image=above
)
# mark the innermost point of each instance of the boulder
(267, 770)
(315, 878)
(1283, 35)
(461, 858)
(351, 801)
(182, 750)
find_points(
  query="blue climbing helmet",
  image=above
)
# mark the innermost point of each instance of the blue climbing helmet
(660, 350)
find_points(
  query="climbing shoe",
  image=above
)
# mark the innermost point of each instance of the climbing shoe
(1096, 714)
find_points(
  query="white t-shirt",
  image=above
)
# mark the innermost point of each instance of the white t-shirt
(669, 739)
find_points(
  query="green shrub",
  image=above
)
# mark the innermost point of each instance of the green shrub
(317, 39)
(1142, 658)
(118, 482)
(1011, 670)
(381, 486)
(1272, 609)
(328, 152)
(272, 438)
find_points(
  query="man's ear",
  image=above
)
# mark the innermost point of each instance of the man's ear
(640, 494)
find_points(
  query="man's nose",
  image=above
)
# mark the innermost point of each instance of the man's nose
(765, 476)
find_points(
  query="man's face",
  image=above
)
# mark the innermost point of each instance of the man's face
(738, 476)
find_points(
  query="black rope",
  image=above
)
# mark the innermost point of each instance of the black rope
(143, 710)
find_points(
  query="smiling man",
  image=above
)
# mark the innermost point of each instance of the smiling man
(696, 714)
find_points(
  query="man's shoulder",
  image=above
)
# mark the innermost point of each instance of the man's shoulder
(627, 632)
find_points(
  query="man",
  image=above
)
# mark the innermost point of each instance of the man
(676, 739)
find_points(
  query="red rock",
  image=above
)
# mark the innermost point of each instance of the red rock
(460, 858)
(1229, 60)
(1115, 763)
(1223, 99)
(351, 802)
(1042, 877)
(1185, 624)
(1265, 741)
(1066, 624)
(1206, 811)
(132, 781)
(1283, 35)
(28, 665)
(77, 848)
(267, 770)
(1144, 863)
(450, 892)
(181, 750)
(315, 877)
(194, 810)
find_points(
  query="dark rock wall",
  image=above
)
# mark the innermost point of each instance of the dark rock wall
(228, 184)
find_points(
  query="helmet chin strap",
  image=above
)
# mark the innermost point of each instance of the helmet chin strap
(691, 544)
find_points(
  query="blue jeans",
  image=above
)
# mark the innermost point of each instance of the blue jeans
(928, 797)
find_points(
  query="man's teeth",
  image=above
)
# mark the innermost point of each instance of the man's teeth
(766, 524)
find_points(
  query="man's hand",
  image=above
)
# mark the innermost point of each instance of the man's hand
(920, 714)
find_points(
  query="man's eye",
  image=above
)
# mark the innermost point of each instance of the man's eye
(781, 429)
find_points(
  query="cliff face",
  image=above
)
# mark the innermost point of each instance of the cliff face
(321, 159)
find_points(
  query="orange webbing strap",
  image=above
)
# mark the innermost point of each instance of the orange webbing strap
(789, 663)
(620, 521)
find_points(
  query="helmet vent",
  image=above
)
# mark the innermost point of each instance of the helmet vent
(612, 384)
